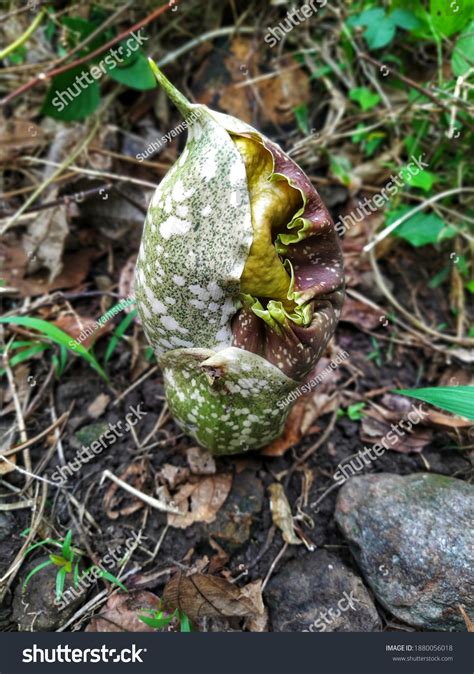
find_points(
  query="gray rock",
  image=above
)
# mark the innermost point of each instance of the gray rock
(412, 539)
(34, 607)
(318, 593)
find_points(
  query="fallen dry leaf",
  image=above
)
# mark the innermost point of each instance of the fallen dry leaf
(74, 325)
(360, 314)
(45, 238)
(373, 428)
(200, 500)
(173, 475)
(120, 614)
(291, 434)
(201, 462)
(202, 595)
(281, 514)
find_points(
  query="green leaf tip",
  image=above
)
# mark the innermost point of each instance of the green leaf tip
(180, 101)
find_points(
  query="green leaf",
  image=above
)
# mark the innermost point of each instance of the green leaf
(364, 97)
(341, 168)
(111, 578)
(25, 355)
(449, 17)
(405, 19)
(35, 570)
(380, 33)
(423, 229)
(456, 399)
(69, 99)
(367, 18)
(424, 179)
(354, 412)
(56, 335)
(185, 625)
(66, 547)
(463, 53)
(60, 580)
(118, 334)
(136, 74)
(302, 118)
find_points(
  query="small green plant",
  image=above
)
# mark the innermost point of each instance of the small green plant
(57, 336)
(376, 353)
(159, 620)
(68, 562)
(354, 412)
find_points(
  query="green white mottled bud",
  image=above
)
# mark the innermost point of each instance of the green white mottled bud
(239, 280)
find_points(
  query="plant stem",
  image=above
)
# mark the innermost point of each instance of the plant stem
(23, 38)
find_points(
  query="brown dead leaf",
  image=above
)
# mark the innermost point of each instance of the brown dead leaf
(173, 475)
(201, 462)
(126, 285)
(291, 434)
(121, 612)
(7, 466)
(202, 595)
(467, 619)
(360, 314)
(200, 500)
(373, 428)
(74, 325)
(281, 513)
(45, 238)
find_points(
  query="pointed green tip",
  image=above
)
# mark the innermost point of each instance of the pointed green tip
(181, 102)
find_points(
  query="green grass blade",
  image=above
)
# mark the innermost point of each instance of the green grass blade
(35, 570)
(456, 399)
(118, 334)
(56, 335)
(108, 576)
(66, 546)
(60, 580)
(25, 355)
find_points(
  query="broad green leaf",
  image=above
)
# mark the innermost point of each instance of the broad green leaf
(136, 74)
(405, 19)
(451, 16)
(73, 95)
(380, 33)
(463, 53)
(364, 97)
(424, 179)
(367, 18)
(56, 335)
(456, 399)
(423, 229)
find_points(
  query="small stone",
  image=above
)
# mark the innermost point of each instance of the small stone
(412, 539)
(318, 593)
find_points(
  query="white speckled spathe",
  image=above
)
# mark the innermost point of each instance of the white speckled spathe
(196, 241)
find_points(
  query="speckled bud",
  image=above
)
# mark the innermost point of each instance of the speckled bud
(239, 280)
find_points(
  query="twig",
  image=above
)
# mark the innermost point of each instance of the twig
(42, 77)
(415, 85)
(153, 502)
(273, 565)
(385, 232)
(463, 341)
